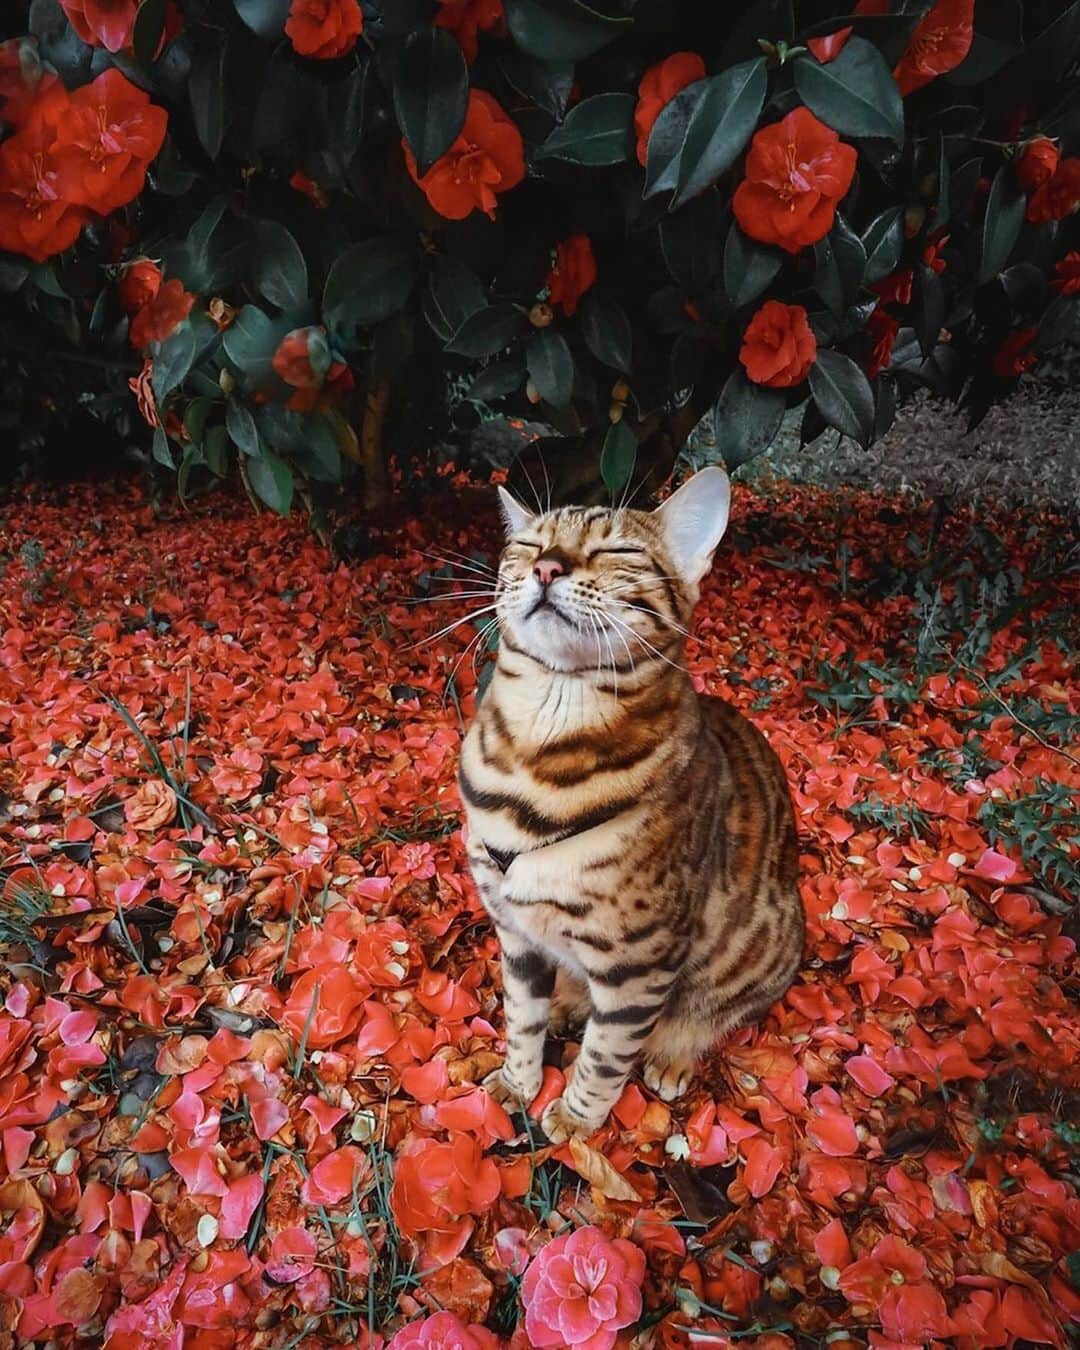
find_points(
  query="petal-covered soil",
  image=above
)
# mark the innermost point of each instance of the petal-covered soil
(249, 992)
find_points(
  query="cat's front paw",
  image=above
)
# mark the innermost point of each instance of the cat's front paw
(669, 1079)
(559, 1123)
(507, 1091)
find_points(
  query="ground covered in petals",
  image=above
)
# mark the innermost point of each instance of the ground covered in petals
(249, 992)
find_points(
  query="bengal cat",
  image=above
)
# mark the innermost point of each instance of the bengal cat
(633, 841)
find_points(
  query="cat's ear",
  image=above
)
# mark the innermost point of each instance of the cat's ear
(514, 514)
(694, 520)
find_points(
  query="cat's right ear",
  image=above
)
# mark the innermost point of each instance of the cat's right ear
(514, 514)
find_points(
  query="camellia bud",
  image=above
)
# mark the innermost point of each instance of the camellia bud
(615, 412)
(227, 381)
(1037, 163)
(914, 217)
(541, 315)
(620, 391)
(531, 392)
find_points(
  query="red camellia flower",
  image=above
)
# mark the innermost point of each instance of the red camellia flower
(829, 47)
(465, 18)
(1067, 274)
(778, 347)
(139, 285)
(931, 254)
(303, 357)
(162, 316)
(895, 289)
(797, 171)
(106, 138)
(883, 329)
(437, 1187)
(939, 43)
(573, 273)
(1037, 163)
(486, 158)
(1058, 198)
(1013, 357)
(324, 29)
(658, 87)
(102, 23)
(38, 216)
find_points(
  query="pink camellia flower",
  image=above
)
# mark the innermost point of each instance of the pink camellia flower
(443, 1331)
(581, 1289)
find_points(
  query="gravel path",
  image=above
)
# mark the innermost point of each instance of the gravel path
(1026, 451)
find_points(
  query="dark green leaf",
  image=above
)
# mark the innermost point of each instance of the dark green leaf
(748, 267)
(265, 17)
(191, 456)
(843, 395)
(172, 361)
(453, 292)
(216, 450)
(560, 30)
(199, 235)
(352, 108)
(985, 58)
(198, 410)
(498, 379)
(431, 91)
(855, 94)
(883, 239)
(884, 406)
(941, 203)
(250, 342)
(928, 296)
(43, 276)
(617, 459)
(487, 331)
(606, 330)
(746, 418)
(720, 126)
(1060, 323)
(1005, 208)
(691, 241)
(13, 272)
(242, 429)
(147, 31)
(827, 280)
(1025, 285)
(320, 458)
(162, 452)
(599, 130)
(667, 137)
(206, 90)
(545, 83)
(272, 481)
(962, 185)
(368, 282)
(550, 367)
(280, 271)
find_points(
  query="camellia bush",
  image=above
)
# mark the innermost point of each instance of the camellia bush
(289, 236)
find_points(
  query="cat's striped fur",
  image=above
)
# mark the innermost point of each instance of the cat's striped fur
(633, 842)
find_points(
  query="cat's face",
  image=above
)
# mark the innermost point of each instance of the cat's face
(588, 588)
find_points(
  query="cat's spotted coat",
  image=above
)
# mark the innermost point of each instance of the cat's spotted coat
(633, 842)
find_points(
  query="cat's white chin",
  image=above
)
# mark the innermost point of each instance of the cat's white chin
(550, 636)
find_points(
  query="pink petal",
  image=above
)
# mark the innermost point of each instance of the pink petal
(869, 1075)
(240, 1204)
(995, 866)
(268, 1117)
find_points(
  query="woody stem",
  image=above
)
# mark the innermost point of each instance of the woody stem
(372, 456)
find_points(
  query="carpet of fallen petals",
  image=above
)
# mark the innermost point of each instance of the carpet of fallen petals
(248, 991)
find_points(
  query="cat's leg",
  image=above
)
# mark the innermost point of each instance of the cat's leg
(672, 1053)
(528, 981)
(620, 1023)
(570, 1004)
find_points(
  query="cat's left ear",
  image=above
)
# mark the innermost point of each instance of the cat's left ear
(694, 520)
(514, 514)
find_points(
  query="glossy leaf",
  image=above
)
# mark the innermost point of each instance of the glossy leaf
(843, 395)
(550, 366)
(1005, 207)
(746, 418)
(561, 30)
(487, 331)
(272, 480)
(749, 267)
(618, 458)
(855, 93)
(597, 131)
(280, 270)
(368, 282)
(431, 93)
(606, 330)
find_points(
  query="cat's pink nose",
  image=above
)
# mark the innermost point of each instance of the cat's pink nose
(547, 569)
